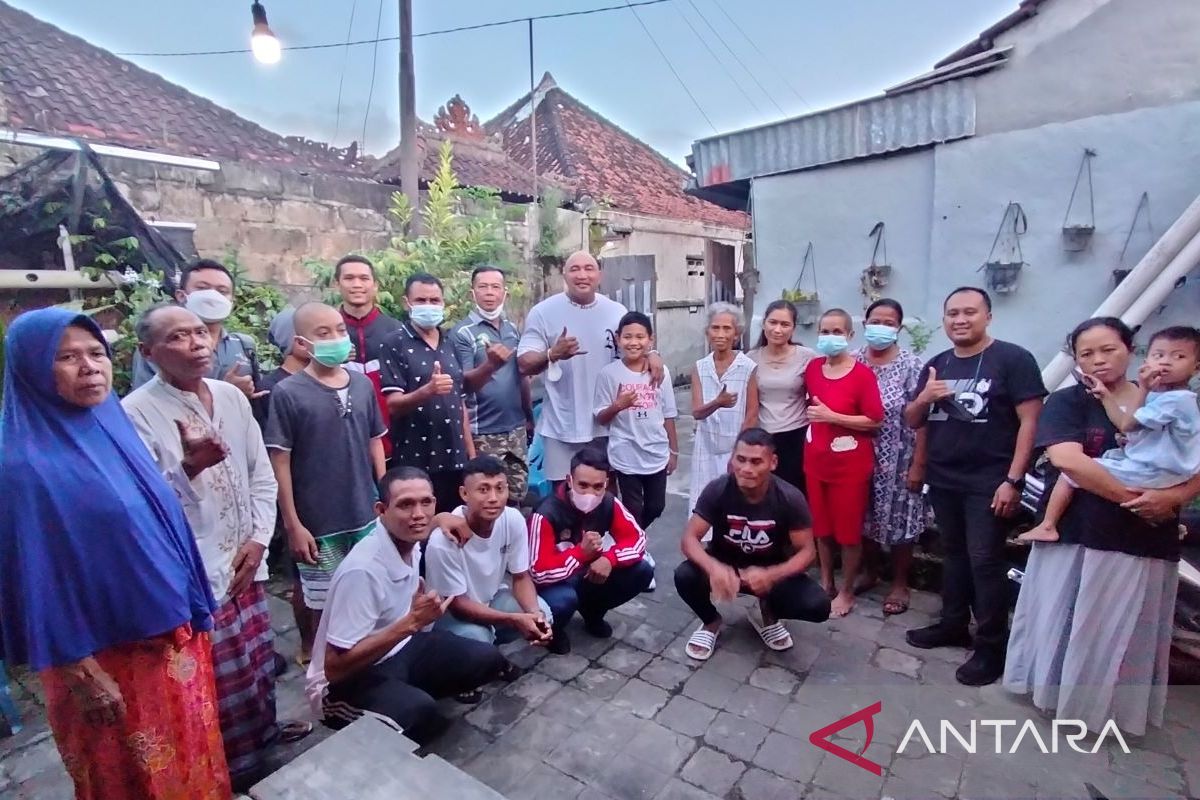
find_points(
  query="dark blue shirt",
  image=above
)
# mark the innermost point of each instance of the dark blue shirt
(497, 406)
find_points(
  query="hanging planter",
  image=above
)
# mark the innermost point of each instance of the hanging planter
(1078, 234)
(806, 303)
(1002, 270)
(877, 274)
(1142, 211)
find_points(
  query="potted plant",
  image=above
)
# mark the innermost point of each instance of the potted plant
(1077, 235)
(1003, 265)
(807, 305)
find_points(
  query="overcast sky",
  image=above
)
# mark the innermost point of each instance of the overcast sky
(805, 55)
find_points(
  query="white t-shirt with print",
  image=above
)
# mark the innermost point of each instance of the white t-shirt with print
(571, 384)
(372, 588)
(637, 440)
(478, 568)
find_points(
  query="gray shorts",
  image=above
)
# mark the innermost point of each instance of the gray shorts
(557, 455)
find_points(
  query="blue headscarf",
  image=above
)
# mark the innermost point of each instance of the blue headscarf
(95, 550)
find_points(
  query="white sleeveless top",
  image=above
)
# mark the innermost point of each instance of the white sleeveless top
(718, 432)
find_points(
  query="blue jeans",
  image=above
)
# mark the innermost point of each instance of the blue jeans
(594, 600)
(503, 601)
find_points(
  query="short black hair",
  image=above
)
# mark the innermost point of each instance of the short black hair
(591, 455)
(1179, 333)
(487, 466)
(756, 437)
(482, 268)
(352, 258)
(635, 318)
(144, 327)
(422, 277)
(1117, 326)
(202, 264)
(396, 474)
(885, 302)
(987, 298)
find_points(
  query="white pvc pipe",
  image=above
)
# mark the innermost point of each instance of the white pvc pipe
(56, 279)
(63, 143)
(1135, 283)
(1156, 293)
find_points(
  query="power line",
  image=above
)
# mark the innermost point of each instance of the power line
(749, 71)
(671, 66)
(337, 119)
(720, 63)
(377, 39)
(374, 61)
(758, 49)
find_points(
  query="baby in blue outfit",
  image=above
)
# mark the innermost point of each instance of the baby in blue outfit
(1163, 445)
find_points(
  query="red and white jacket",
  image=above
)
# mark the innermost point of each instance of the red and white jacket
(557, 527)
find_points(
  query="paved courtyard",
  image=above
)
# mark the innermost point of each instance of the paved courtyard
(633, 717)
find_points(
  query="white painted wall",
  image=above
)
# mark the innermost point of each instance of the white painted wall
(943, 206)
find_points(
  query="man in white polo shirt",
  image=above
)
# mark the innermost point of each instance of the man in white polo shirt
(373, 651)
(571, 337)
(472, 575)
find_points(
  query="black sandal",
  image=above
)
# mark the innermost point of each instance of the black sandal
(473, 697)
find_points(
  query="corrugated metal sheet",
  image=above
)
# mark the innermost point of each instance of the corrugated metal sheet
(880, 125)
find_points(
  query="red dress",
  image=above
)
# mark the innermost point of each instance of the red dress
(838, 461)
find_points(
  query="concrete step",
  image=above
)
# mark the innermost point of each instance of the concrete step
(369, 760)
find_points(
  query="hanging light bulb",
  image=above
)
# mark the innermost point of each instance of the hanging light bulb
(262, 40)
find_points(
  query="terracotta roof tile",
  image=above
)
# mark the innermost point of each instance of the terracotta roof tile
(603, 160)
(57, 83)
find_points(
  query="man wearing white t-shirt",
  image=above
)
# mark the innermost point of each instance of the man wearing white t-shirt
(373, 650)
(571, 337)
(472, 575)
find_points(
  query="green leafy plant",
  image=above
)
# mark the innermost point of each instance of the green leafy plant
(919, 335)
(799, 296)
(551, 228)
(461, 229)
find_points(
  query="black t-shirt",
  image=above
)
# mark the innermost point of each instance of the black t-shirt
(1073, 415)
(749, 534)
(974, 456)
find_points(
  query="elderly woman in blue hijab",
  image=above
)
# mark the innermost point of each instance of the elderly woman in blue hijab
(102, 590)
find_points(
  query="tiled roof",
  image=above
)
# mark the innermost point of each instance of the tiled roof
(604, 161)
(478, 158)
(54, 82)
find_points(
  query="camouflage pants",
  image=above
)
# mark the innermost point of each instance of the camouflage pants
(511, 449)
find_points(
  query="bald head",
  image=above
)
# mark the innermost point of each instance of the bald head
(581, 277)
(318, 321)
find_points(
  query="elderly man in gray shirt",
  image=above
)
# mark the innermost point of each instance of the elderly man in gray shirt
(498, 403)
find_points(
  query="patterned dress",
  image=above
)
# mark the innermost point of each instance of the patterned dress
(896, 515)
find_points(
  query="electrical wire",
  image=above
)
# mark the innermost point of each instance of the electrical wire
(733, 53)
(671, 66)
(765, 58)
(337, 119)
(377, 39)
(371, 90)
(720, 63)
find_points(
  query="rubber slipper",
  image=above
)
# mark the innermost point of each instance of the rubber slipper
(775, 636)
(701, 644)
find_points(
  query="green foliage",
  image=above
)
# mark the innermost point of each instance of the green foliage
(255, 304)
(799, 296)
(551, 229)
(919, 335)
(461, 229)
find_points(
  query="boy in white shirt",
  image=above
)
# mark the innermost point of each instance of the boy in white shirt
(473, 575)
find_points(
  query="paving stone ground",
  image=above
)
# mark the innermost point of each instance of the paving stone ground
(634, 718)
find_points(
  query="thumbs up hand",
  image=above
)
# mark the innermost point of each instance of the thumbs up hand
(440, 382)
(819, 412)
(725, 398)
(565, 347)
(935, 389)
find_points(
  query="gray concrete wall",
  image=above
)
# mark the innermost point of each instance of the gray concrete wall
(943, 206)
(1083, 58)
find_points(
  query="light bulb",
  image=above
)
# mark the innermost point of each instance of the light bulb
(263, 43)
(265, 47)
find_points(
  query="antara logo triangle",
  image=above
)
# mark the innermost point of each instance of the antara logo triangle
(866, 716)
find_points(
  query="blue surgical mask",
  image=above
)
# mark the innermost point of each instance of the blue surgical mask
(427, 316)
(880, 337)
(832, 344)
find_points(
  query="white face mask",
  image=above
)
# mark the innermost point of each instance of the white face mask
(491, 316)
(209, 305)
(585, 502)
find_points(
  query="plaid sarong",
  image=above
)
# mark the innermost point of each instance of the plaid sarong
(244, 666)
(332, 550)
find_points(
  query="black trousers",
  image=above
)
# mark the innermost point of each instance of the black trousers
(644, 495)
(789, 449)
(973, 566)
(445, 489)
(434, 664)
(594, 600)
(797, 597)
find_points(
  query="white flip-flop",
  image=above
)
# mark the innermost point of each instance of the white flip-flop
(775, 636)
(703, 640)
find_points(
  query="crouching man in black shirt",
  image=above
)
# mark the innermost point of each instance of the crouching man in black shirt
(761, 545)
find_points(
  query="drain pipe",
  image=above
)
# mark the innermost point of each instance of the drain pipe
(1138, 281)
(1156, 293)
